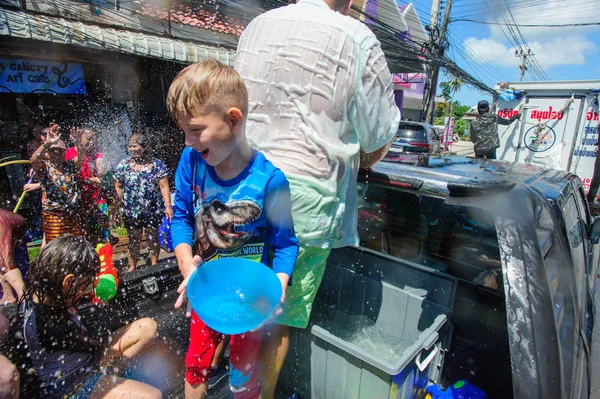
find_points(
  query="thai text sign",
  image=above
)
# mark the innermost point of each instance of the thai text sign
(41, 77)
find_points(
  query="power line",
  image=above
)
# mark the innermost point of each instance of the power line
(526, 25)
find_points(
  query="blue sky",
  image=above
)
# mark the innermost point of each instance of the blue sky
(562, 53)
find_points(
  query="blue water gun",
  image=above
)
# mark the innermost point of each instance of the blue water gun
(459, 390)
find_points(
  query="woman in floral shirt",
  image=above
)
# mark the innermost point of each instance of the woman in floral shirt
(142, 184)
(60, 196)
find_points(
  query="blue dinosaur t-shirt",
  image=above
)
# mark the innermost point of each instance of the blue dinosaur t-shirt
(246, 216)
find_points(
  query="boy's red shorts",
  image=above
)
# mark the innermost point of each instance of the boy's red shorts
(244, 352)
(203, 343)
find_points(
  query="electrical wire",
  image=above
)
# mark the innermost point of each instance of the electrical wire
(527, 25)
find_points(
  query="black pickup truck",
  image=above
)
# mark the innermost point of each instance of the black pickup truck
(467, 269)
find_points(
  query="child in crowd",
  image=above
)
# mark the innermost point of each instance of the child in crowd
(93, 205)
(67, 359)
(60, 196)
(142, 185)
(230, 201)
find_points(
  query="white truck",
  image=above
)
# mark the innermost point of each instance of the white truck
(558, 127)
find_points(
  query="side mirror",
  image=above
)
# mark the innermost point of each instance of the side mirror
(595, 232)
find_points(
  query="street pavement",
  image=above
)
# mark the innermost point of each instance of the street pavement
(464, 148)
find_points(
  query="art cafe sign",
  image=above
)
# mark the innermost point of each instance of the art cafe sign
(41, 77)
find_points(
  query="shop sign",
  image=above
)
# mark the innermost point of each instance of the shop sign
(41, 77)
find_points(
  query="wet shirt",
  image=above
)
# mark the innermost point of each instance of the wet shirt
(59, 188)
(247, 216)
(62, 350)
(141, 189)
(320, 91)
(89, 192)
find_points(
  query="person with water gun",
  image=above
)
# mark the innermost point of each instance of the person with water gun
(67, 359)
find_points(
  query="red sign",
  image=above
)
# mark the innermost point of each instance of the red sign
(507, 112)
(399, 81)
(549, 114)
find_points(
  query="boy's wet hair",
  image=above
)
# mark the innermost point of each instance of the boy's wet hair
(204, 87)
(63, 256)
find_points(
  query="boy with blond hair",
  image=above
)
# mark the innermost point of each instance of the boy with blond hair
(229, 201)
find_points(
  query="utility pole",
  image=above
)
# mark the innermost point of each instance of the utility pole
(439, 46)
(523, 56)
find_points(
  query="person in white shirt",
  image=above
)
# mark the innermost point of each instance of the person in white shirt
(321, 107)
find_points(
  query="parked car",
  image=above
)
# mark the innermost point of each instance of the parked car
(467, 269)
(416, 137)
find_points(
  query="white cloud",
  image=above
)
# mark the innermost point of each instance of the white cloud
(551, 46)
(556, 51)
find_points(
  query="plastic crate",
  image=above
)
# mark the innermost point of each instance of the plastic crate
(366, 297)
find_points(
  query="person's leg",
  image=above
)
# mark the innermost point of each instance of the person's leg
(203, 343)
(153, 244)
(9, 379)
(135, 238)
(12, 230)
(109, 387)
(15, 279)
(217, 371)
(245, 352)
(128, 341)
(307, 276)
(8, 295)
(274, 351)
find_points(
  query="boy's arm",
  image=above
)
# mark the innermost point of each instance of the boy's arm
(278, 208)
(182, 227)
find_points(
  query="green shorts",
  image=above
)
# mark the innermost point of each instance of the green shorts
(306, 279)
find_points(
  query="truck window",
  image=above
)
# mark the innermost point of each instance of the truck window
(459, 240)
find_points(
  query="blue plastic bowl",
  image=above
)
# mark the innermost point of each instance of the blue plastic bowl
(234, 295)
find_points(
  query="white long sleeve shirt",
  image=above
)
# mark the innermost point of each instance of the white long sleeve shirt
(320, 91)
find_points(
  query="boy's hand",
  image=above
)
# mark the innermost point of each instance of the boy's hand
(182, 290)
(284, 279)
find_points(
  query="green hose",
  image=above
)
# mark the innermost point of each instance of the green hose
(17, 162)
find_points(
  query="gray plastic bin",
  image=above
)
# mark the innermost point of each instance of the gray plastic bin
(375, 329)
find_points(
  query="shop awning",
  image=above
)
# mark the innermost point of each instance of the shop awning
(24, 25)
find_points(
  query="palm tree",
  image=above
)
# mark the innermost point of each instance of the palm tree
(455, 85)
